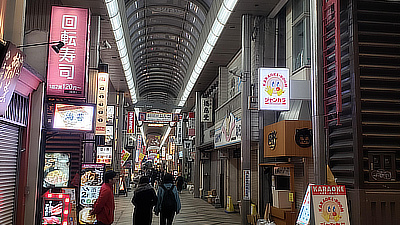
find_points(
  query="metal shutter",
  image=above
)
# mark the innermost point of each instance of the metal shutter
(8, 171)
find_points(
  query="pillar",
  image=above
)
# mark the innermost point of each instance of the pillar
(246, 139)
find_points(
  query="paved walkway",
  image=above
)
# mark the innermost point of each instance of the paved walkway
(194, 211)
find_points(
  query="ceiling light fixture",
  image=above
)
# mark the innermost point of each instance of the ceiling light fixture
(116, 23)
(219, 23)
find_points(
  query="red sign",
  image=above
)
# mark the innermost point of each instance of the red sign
(66, 73)
(131, 123)
(12, 60)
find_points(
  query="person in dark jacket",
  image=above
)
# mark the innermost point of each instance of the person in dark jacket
(167, 215)
(104, 206)
(144, 198)
(179, 182)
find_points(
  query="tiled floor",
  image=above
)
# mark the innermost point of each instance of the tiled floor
(194, 212)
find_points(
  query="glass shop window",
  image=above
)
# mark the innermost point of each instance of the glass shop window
(301, 34)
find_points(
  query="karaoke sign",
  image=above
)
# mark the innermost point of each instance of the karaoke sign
(67, 69)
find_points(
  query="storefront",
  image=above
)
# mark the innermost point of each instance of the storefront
(17, 82)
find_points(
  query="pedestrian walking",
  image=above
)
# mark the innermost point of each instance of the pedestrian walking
(168, 203)
(104, 206)
(179, 182)
(144, 199)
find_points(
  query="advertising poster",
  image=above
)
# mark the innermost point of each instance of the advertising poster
(229, 132)
(273, 89)
(56, 170)
(54, 207)
(124, 156)
(73, 117)
(72, 217)
(91, 181)
(67, 69)
(110, 115)
(330, 204)
(104, 155)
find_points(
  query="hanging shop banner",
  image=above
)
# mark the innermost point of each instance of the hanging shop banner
(229, 132)
(158, 117)
(124, 156)
(110, 115)
(191, 124)
(56, 208)
(102, 92)
(91, 181)
(329, 205)
(56, 170)
(206, 110)
(179, 133)
(187, 145)
(163, 153)
(153, 140)
(273, 89)
(11, 60)
(104, 155)
(66, 73)
(131, 123)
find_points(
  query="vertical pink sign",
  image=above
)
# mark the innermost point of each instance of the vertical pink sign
(66, 73)
(131, 123)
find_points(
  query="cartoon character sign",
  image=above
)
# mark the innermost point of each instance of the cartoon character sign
(274, 85)
(329, 205)
(274, 89)
(331, 209)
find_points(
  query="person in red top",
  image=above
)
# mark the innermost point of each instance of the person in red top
(104, 206)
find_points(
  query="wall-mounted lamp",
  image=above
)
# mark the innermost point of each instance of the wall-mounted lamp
(103, 68)
(56, 48)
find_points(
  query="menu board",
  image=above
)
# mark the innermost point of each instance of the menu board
(56, 170)
(91, 181)
(52, 213)
(104, 155)
(56, 208)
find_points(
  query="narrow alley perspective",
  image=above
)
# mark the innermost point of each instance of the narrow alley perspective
(195, 211)
(250, 112)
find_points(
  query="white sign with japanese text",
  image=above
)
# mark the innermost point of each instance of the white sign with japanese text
(206, 110)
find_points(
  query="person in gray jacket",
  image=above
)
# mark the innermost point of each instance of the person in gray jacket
(168, 203)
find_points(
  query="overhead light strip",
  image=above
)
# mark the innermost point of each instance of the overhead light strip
(219, 23)
(116, 23)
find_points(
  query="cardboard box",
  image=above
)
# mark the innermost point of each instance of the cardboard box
(280, 139)
(281, 199)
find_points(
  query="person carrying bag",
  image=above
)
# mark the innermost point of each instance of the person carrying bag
(168, 203)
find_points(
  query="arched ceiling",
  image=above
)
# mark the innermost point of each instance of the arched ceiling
(163, 36)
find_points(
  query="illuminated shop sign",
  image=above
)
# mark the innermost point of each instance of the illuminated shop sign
(56, 208)
(131, 123)
(67, 69)
(158, 117)
(273, 91)
(73, 117)
(11, 62)
(101, 110)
